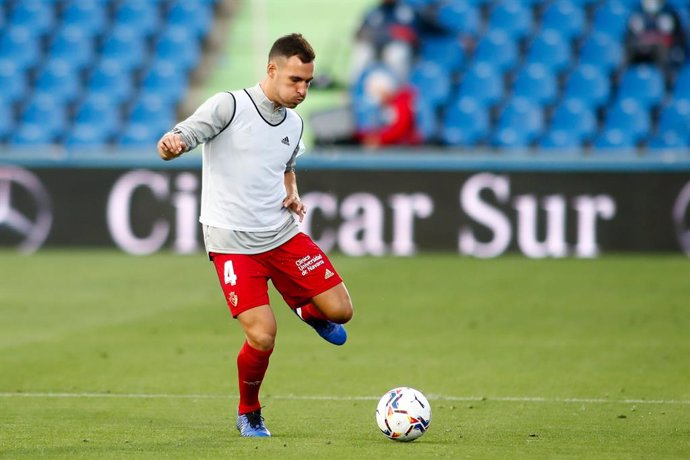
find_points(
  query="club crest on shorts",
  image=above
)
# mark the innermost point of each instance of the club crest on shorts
(232, 298)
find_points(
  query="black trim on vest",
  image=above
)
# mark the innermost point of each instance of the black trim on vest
(259, 112)
(234, 111)
(302, 131)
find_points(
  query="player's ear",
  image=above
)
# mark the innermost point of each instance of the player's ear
(271, 68)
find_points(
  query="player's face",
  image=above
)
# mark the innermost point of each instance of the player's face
(291, 78)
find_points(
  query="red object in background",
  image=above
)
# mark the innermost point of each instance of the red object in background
(401, 130)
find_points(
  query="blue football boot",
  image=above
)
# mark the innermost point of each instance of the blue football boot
(331, 332)
(251, 425)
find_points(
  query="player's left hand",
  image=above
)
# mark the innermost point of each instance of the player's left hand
(294, 204)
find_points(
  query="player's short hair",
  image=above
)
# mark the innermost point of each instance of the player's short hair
(292, 45)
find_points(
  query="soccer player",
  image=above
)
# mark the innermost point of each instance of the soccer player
(250, 208)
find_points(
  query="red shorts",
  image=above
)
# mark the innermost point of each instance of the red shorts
(299, 270)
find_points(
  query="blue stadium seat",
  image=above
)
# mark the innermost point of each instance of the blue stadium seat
(588, 84)
(446, 51)
(613, 139)
(520, 123)
(675, 118)
(575, 117)
(564, 16)
(37, 16)
(537, 83)
(465, 123)
(558, 139)
(432, 81)
(629, 4)
(7, 117)
(30, 135)
(59, 80)
(86, 136)
(629, 116)
(601, 50)
(426, 121)
(153, 111)
(139, 135)
(109, 79)
(46, 111)
(484, 83)
(196, 15)
(644, 83)
(497, 48)
(367, 114)
(586, 4)
(177, 44)
(97, 109)
(73, 45)
(681, 87)
(459, 17)
(669, 140)
(143, 17)
(125, 45)
(551, 49)
(510, 137)
(166, 81)
(528, 3)
(611, 18)
(13, 81)
(513, 18)
(417, 3)
(88, 15)
(18, 44)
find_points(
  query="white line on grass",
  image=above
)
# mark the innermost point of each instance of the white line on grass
(344, 398)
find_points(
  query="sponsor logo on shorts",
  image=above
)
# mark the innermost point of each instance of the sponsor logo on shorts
(309, 263)
(232, 298)
(328, 274)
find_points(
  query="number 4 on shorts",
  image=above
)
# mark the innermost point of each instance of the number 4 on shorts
(230, 277)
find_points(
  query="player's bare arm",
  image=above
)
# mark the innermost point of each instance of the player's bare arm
(292, 200)
(170, 146)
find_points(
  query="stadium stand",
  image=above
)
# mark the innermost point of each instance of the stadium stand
(546, 75)
(542, 75)
(87, 73)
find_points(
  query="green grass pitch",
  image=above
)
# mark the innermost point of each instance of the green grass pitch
(104, 355)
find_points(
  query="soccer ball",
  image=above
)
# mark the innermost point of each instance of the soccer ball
(403, 414)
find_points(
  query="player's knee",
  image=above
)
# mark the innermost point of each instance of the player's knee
(261, 340)
(344, 312)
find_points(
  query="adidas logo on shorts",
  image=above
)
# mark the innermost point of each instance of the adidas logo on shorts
(328, 274)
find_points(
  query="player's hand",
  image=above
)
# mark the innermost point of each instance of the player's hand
(171, 146)
(294, 204)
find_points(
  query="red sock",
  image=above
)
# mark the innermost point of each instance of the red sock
(309, 311)
(251, 368)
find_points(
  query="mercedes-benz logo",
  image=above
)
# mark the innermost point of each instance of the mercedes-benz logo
(680, 215)
(26, 212)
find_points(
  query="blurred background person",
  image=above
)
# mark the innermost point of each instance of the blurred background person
(393, 104)
(388, 34)
(655, 35)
